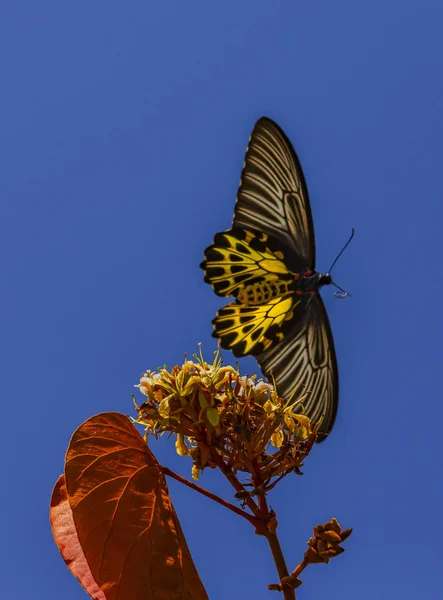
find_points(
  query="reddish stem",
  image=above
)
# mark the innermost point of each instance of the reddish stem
(280, 563)
(227, 472)
(299, 568)
(210, 495)
(262, 514)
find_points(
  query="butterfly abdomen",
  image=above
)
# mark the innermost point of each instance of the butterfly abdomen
(263, 291)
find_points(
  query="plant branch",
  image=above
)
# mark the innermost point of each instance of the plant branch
(227, 472)
(299, 568)
(262, 513)
(280, 563)
(210, 495)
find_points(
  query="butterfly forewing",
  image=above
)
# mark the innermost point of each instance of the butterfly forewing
(273, 196)
(238, 258)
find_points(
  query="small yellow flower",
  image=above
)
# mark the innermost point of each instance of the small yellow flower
(164, 407)
(180, 445)
(304, 426)
(277, 438)
(270, 408)
(195, 473)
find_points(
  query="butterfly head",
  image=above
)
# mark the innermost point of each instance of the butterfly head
(325, 280)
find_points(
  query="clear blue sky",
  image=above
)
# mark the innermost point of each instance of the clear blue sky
(123, 131)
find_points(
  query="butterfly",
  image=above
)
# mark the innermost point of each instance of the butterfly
(266, 261)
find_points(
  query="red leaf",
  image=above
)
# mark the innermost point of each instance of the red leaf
(125, 521)
(65, 536)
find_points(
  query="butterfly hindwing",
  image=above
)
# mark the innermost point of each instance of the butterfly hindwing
(306, 356)
(253, 329)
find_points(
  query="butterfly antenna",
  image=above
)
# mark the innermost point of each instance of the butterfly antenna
(341, 252)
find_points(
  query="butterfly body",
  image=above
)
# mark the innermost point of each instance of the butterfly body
(305, 283)
(266, 263)
(310, 282)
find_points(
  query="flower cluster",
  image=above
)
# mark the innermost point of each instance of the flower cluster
(217, 414)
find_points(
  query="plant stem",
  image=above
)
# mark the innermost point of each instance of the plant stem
(280, 563)
(262, 514)
(299, 568)
(210, 495)
(227, 472)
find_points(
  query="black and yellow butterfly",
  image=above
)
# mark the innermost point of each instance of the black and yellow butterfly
(267, 262)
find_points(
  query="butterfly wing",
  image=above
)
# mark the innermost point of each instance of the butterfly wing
(272, 196)
(253, 329)
(236, 260)
(239, 258)
(306, 356)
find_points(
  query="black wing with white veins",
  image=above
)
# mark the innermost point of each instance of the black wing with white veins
(306, 356)
(272, 197)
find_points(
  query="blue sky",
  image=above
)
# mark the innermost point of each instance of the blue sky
(123, 131)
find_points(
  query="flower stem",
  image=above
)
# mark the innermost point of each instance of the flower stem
(210, 495)
(227, 472)
(299, 568)
(280, 563)
(262, 514)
